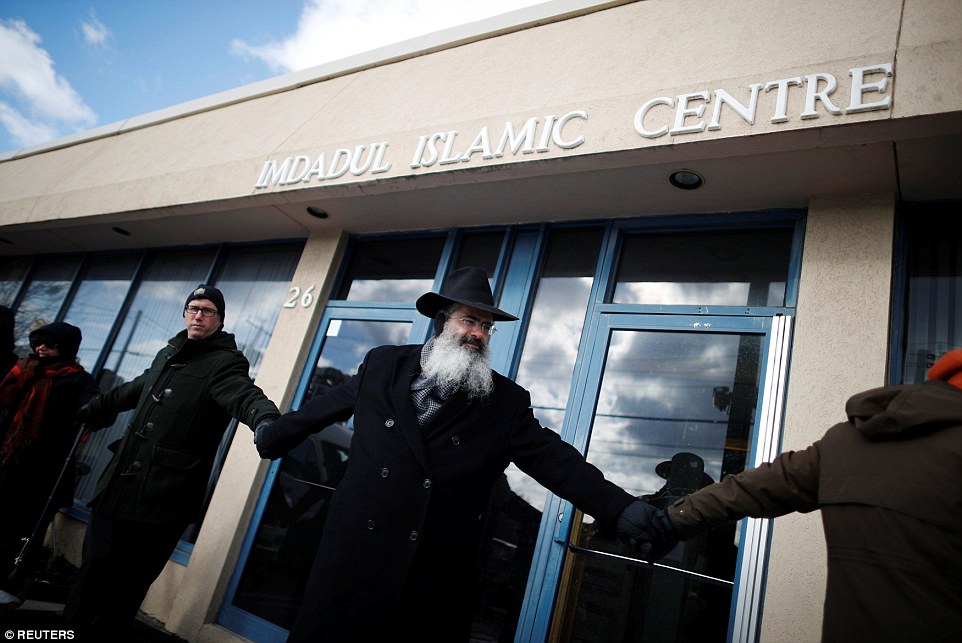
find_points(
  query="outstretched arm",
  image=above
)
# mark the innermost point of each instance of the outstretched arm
(788, 483)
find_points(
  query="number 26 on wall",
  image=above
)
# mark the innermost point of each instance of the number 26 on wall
(306, 298)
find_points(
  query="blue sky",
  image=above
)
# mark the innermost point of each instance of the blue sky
(71, 65)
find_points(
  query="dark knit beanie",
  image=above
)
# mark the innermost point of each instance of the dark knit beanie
(204, 291)
(948, 368)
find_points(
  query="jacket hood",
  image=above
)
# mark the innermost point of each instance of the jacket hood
(67, 337)
(893, 412)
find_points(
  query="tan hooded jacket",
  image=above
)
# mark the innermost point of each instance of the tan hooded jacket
(889, 485)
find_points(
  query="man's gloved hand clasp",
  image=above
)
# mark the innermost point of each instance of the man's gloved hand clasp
(262, 427)
(648, 528)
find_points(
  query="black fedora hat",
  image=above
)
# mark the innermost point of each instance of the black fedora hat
(686, 467)
(468, 286)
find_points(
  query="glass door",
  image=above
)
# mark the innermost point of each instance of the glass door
(670, 404)
(264, 595)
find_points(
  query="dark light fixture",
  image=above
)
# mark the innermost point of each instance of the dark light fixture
(316, 212)
(686, 179)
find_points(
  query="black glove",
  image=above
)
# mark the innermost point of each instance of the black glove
(83, 412)
(262, 427)
(648, 528)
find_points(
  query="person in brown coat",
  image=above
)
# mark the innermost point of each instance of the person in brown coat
(888, 483)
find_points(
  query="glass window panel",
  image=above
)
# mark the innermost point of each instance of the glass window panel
(400, 269)
(100, 294)
(711, 268)
(933, 287)
(275, 575)
(675, 412)
(546, 368)
(480, 249)
(255, 281)
(49, 284)
(12, 272)
(155, 315)
(557, 318)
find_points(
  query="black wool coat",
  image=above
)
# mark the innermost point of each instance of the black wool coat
(184, 402)
(402, 534)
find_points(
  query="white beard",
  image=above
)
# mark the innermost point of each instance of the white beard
(450, 362)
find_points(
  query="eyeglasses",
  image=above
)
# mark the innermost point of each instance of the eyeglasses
(206, 312)
(471, 324)
(49, 343)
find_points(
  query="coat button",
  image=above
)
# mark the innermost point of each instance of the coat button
(385, 472)
(149, 426)
(389, 423)
(427, 483)
(136, 466)
(370, 525)
(455, 440)
(413, 535)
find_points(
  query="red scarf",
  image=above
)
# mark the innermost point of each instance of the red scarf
(23, 398)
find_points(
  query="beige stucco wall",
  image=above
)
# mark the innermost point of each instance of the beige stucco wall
(839, 348)
(607, 63)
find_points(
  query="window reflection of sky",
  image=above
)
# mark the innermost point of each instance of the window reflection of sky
(705, 268)
(656, 399)
(547, 363)
(681, 294)
(346, 349)
(406, 290)
(12, 272)
(551, 349)
(98, 301)
(49, 285)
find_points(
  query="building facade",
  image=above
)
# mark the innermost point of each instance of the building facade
(715, 222)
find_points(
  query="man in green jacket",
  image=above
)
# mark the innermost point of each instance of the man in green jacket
(154, 485)
(888, 483)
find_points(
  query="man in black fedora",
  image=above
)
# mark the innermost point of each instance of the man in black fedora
(434, 430)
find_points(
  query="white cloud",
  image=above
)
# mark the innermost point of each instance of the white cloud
(41, 104)
(334, 29)
(95, 32)
(23, 130)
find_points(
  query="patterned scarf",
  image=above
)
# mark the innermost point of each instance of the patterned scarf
(427, 395)
(23, 398)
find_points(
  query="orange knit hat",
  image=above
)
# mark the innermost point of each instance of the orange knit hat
(948, 368)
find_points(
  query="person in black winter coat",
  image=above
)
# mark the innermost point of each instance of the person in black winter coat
(39, 399)
(155, 482)
(434, 429)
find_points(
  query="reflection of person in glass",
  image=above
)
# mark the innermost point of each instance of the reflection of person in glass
(434, 430)
(156, 481)
(888, 483)
(39, 399)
